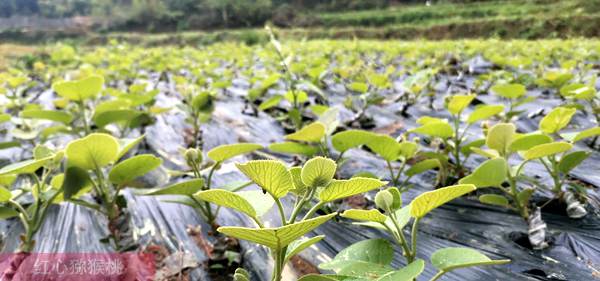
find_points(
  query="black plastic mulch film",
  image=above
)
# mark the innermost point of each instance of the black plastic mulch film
(574, 252)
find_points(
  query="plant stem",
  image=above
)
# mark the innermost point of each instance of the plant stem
(438, 275)
(413, 237)
(86, 126)
(281, 211)
(313, 210)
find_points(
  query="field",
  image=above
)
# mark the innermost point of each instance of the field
(307, 159)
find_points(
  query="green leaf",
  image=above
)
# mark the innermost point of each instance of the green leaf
(227, 199)
(490, 173)
(24, 167)
(385, 146)
(359, 87)
(75, 179)
(500, 136)
(94, 151)
(188, 187)
(318, 171)
(294, 148)
(524, 196)
(275, 238)
(448, 259)
(79, 90)
(270, 175)
(115, 116)
(7, 213)
(556, 119)
(299, 186)
(466, 149)
(227, 151)
(339, 189)
(572, 160)
(458, 103)
(346, 140)
(201, 102)
(494, 199)
(132, 168)
(430, 120)
(511, 91)
(575, 137)
(5, 195)
(317, 277)
(127, 144)
(430, 200)
(423, 166)
(373, 251)
(298, 245)
(407, 273)
(489, 153)
(484, 112)
(4, 118)
(270, 103)
(313, 132)
(364, 215)
(546, 149)
(52, 115)
(261, 202)
(437, 129)
(526, 142)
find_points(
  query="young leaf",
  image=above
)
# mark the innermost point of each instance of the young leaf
(500, 136)
(572, 160)
(298, 245)
(339, 189)
(227, 151)
(132, 168)
(346, 140)
(127, 144)
(270, 175)
(494, 199)
(364, 215)
(437, 129)
(75, 179)
(275, 238)
(575, 137)
(227, 199)
(52, 115)
(484, 112)
(313, 132)
(294, 148)
(299, 186)
(430, 200)
(423, 166)
(94, 151)
(448, 259)
(407, 273)
(385, 146)
(270, 103)
(526, 142)
(490, 173)
(511, 91)
(5, 195)
(24, 167)
(458, 103)
(556, 119)
(373, 251)
(188, 187)
(318, 171)
(546, 149)
(261, 202)
(81, 89)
